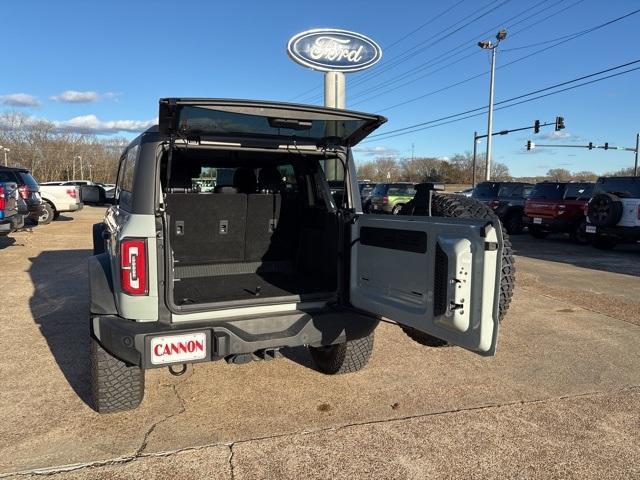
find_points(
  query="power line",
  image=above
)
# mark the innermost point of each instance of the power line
(439, 36)
(464, 46)
(473, 77)
(463, 115)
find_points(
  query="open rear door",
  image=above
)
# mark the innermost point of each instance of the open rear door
(438, 275)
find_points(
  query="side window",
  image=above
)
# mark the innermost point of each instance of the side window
(124, 183)
(289, 177)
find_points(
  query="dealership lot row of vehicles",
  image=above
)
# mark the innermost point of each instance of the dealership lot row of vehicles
(603, 213)
(23, 200)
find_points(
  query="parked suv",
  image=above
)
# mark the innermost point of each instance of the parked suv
(270, 259)
(507, 201)
(366, 191)
(558, 207)
(391, 197)
(11, 218)
(28, 188)
(613, 214)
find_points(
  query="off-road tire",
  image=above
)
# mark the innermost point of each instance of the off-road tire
(46, 216)
(513, 223)
(115, 386)
(457, 206)
(538, 233)
(347, 357)
(605, 210)
(603, 243)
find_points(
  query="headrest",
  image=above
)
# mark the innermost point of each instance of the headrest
(244, 179)
(225, 189)
(270, 178)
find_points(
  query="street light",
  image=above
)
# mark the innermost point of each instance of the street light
(6, 150)
(488, 45)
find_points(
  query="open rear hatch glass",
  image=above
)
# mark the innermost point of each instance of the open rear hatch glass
(276, 122)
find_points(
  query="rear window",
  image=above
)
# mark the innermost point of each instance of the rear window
(548, 191)
(401, 190)
(510, 191)
(579, 191)
(366, 191)
(6, 176)
(28, 179)
(627, 187)
(380, 189)
(486, 190)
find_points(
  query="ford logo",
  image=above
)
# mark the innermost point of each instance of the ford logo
(331, 50)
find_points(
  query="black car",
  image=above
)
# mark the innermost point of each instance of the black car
(366, 192)
(27, 187)
(507, 201)
(11, 213)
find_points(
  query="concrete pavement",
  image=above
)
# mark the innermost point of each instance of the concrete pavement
(562, 388)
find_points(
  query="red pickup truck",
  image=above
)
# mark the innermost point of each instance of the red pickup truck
(558, 207)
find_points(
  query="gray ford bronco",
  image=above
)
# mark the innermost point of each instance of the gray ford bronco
(226, 242)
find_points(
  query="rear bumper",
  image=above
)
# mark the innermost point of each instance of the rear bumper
(69, 207)
(622, 234)
(131, 341)
(35, 210)
(550, 224)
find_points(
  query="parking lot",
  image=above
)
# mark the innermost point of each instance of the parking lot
(559, 400)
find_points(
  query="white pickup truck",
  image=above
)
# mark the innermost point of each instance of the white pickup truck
(57, 199)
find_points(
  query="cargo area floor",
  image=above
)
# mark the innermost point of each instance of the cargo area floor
(243, 287)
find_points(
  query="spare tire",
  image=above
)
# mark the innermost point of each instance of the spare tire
(605, 210)
(457, 206)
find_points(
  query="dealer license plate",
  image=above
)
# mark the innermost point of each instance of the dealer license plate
(537, 221)
(178, 348)
(590, 229)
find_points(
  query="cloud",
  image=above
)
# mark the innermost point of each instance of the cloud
(115, 96)
(92, 124)
(74, 96)
(378, 151)
(86, 124)
(558, 136)
(20, 100)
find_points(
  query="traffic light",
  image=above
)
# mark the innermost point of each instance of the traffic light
(530, 145)
(606, 145)
(590, 145)
(559, 123)
(536, 127)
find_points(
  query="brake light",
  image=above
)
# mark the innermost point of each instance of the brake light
(385, 200)
(2, 202)
(133, 266)
(24, 191)
(72, 192)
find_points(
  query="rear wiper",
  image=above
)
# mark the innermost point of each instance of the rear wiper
(290, 123)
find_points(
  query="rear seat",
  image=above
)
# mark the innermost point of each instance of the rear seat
(270, 223)
(207, 228)
(234, 224)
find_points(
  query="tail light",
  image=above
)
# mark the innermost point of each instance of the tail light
(2, 202)
(494, 204)
(385, 200)
(24, 191)
(72, 192)
(133, 266)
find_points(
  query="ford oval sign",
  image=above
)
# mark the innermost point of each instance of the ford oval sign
(331, 50)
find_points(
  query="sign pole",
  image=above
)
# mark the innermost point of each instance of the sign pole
(635, 165)
(334, 97)
(473, 162)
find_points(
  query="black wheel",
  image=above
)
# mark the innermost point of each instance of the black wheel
(513, 223)
(603, 243)
(46, 215)
(579, 234)
(396, 209)
(115, 386)
(457, 206)
(346, 357)
(98, 239)
(537, 232)
(605, 210)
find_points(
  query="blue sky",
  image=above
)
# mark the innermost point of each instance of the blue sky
(115, 59)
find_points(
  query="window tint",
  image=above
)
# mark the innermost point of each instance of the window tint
(625, 187)
(579, 191)
(381, 189)
(401, 190)
(510, 191)
(28, 179)
(289, 177)
(486, 190)
(548, 191)
(6, 176)
(128, 169)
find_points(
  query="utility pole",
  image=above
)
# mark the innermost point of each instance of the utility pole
(7, 150)
(81, 168)
(74, 168)
(635, 165)
(487, 45)
(473, 162)
(90, 175)
(412, 146)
